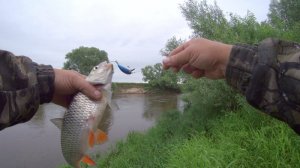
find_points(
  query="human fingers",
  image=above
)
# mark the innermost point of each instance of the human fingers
(188, 68)
(176, 69)
(177, 60)
(178, 49)
(195, 72)
(198, 73)
(80, 84)
(62, 100)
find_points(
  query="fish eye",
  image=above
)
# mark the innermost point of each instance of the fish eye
(96, 67)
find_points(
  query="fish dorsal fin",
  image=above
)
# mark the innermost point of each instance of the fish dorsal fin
(57, 122)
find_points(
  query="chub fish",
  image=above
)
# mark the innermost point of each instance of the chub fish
(80, 124)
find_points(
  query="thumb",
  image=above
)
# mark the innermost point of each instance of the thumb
(87, 89)
(177, 60)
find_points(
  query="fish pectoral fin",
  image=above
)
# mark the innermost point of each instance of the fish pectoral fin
(101, 136)
(86, 159)
(113, 106)
(57, 122)
(91, 139)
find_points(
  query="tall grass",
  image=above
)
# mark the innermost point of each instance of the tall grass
(245, 138)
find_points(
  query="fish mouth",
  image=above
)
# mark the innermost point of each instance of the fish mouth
(110, 66)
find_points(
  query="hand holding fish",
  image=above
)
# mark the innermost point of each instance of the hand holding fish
(68, 83)
(200, 58)
(85, 122)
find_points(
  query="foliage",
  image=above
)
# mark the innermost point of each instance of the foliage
(284, 13)
(205, 20)
(284, 16)
(171, 44)
(83, 59)
(209, 21)
(216, 92)
(242, 139)
(159, 78)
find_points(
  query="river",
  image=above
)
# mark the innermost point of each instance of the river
(36, 143)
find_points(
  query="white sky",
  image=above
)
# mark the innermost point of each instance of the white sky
(130, 31)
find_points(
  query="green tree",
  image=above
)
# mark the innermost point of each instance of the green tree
(158, 78)
(284, 16)
(83, 59)
(209, 21)
(171, 44)
(284, 13)
(205, 20)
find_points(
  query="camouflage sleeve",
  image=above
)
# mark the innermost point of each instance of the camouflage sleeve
(23, 86)
(269, 76)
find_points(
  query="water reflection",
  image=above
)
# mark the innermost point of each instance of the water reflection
(37, 143)
(154, 104)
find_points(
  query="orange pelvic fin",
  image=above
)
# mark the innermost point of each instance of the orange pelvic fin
(101, 136)
(91, 139)
(86, 159)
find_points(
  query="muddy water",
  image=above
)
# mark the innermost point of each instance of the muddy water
(36, 143)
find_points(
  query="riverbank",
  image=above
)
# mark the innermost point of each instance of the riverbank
(138, 88)
(244, 138)
(129, 88)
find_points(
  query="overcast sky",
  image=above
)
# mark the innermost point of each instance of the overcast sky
(130, 31)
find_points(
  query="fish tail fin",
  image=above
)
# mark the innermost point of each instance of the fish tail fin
(86, 159)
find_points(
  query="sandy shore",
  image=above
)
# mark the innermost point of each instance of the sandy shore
(133, 90)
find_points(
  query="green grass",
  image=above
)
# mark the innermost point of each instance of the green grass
(244, 139)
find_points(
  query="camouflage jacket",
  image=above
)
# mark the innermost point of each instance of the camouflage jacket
(269, 76)
(23, 86)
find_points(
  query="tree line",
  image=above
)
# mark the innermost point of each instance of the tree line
(209, 21)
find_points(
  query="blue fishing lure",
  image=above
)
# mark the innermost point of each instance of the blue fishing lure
(124, 69)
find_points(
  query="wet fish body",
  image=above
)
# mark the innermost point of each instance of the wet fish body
(76, 128)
